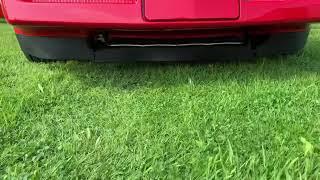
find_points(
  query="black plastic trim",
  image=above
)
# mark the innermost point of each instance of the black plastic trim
(48, 48)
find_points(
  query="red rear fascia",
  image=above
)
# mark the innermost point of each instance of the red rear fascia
(128, 14)
(1, 13)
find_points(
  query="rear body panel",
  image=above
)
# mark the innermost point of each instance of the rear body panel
(129, 14)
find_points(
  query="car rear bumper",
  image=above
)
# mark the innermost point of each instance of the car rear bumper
(66, 48)
(129, 14)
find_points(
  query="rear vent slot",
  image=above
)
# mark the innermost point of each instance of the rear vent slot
(172, 43)
(169, 39)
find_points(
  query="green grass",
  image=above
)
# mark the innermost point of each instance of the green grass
(249, 119)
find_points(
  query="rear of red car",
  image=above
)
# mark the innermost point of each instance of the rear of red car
(1, 14)
(161, 30)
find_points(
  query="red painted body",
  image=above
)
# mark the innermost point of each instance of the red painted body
(159, 14)
(1, 14)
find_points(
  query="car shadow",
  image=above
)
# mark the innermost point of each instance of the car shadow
(131, 76)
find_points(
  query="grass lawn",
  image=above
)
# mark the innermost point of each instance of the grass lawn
(248, 119)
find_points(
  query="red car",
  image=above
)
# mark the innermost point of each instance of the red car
(1, 14)
(159, 30)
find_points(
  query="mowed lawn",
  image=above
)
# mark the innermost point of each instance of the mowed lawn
(242, 119)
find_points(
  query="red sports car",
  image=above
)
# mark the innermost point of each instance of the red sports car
(159, 30)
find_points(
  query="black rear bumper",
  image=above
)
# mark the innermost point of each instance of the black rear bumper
(48, 48)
